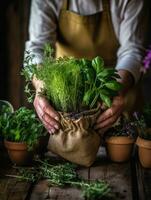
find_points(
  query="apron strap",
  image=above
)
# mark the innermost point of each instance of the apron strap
(65, 5)
(106, 5)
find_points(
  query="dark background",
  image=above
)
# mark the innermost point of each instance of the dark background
(14, 18)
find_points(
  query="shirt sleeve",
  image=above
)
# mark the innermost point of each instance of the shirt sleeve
(131, 38)
(42, 27)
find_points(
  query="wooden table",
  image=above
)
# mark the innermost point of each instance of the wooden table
(129, 181)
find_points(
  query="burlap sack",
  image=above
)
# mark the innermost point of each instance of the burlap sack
(77, 141)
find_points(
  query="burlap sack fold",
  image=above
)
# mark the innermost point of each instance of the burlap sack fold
(77, 141)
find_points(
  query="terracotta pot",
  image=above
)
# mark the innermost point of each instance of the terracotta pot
(18, 153)
(119, 148)
(144, 152)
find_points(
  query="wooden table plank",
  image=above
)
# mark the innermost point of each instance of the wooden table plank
(65, 194)
(117, 175)
(122, 178)
(11, 188)
(147, 183)
(144, 181)
(68, 193)
(42, 190)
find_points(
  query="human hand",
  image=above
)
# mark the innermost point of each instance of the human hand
(46, 113)
(111, 115)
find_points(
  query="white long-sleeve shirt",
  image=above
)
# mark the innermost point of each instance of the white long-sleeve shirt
(126, 16)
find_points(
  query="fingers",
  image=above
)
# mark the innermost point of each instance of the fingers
(108, 121)
(47, 108)
(47, 114)
(110, 116)
(116, 108)
(106, 114)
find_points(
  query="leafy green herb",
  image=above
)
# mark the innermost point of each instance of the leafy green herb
(73, 85)
(21, 126)
(143, 130)
(147, 114)
(65, 175)
(28, 72)
(125, 127)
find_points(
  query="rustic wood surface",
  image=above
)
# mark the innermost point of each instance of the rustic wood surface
(143, 181)
(117, 175)
(11, 188)
(129, 181)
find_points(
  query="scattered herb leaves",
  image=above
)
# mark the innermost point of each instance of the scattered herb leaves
(65, 175)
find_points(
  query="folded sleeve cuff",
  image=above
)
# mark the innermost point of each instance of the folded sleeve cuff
(37, 59)
(130, 64)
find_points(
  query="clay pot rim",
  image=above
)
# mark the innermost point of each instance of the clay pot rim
(143, 143)
(15, 145)
(118, 140)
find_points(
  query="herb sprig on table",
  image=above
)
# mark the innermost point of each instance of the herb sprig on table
(73, 85)
(65, 175)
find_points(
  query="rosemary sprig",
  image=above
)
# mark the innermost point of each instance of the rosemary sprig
(65, 175)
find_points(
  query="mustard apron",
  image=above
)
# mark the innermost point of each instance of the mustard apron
(88, 37)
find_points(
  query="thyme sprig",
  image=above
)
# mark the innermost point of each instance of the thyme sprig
(65, 175)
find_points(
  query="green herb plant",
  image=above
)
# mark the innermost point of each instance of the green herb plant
(21, 126)
(73, 85)
(143, 129)
(65, 175)
(147, 114)
(28, 72)
(125, 127)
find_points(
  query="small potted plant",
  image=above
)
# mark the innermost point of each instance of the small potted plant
(120, 140)
(21, 131)
(5, 106)
(144, 140)
(74, 87)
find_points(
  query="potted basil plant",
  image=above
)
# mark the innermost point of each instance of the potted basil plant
(21, 131)
(75, 88)
(120, 140)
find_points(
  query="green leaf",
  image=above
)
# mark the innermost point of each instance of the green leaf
(106, 72)
(103, 73)
(105, 92)
(90, 75)
(97, 64)
(114, 85)
(17, 135)
(87, 97)
(86, 62)
(106, 100)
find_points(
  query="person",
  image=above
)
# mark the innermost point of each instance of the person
(110, 29)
